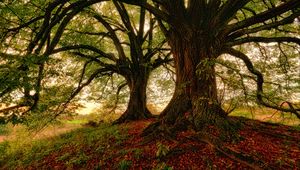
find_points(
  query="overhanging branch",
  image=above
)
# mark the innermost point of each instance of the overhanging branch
(154, 10)
(260, 81)
(85, 47)
(113, 35)
(264, 40)
(110, 67)
(61, 108)
(264, 16)
(288, 20)
(228, 10)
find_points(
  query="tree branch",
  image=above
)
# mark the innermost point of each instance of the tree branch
(135, 47)
(110, 67)
(154, 10)
(102, 71)
(113, 35)
(288, 20)
(260, 82)
(120, 87)
(264, 40)
(228, 11)
(85, 47)
(158, 62)
(264, 16)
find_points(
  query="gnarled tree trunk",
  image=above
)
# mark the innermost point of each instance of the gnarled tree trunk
(136, 108)
(195, 96)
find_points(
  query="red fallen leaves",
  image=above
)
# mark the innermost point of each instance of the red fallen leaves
(276, 146)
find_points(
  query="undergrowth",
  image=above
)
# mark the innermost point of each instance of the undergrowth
(71, 147)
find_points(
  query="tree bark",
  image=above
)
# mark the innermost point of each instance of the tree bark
(194, 54)
(137, 105)
(195, 98)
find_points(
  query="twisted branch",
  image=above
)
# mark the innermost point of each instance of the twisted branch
(260, 82)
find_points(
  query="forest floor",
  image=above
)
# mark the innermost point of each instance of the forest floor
(270, 146)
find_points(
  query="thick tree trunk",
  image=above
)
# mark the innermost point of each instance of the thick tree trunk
(195, 99)
(206, 109)
(195, 61)
(136, 108)
(178, 105)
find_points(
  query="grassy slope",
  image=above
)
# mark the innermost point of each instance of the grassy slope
(72, 148)
(121, 147)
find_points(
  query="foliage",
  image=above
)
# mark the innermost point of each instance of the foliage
(162, 150)
(48, 59)
(160, 87)
(124, 165)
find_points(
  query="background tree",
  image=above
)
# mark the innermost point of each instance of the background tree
(138, 49)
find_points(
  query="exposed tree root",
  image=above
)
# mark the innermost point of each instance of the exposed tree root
(207, 135)
(265, 129)
(276, 135)
(178, 151)
(212, 125)
(225, 127)
(158, 131)
(217, 145)
(245, 160)
(165, 130)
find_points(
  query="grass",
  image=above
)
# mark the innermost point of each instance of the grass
(76, 121)
(72, 147)
(4, 129)
(124, 165)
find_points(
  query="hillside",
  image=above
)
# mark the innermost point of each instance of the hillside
(263, 145)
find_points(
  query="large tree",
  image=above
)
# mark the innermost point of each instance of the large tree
(200, 31)
(137, 49)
